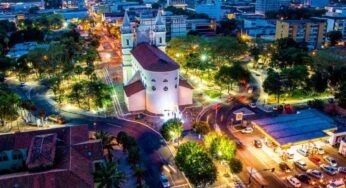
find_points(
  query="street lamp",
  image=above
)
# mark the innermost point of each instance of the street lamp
(204, 57)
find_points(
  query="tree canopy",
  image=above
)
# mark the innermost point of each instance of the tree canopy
(172, 129)
(220, 146)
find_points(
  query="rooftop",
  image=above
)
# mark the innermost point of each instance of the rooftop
(153, 59)
(291, 129)
(133, 88)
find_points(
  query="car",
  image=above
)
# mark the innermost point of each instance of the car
(164, 181)
(320, 151)
(287, 155)
(303, 152)
(247, 130)
(301, 164)
(342, 170)
(329, 169)
(284, 167)
(258, 143)
(57, 119)
(275, 107)
(336, 184)
(315, 160)
(330, 160)
(240, 144)
(294, 181)
(22, 84)
(315, 173)
(253, 105)
(305, 179)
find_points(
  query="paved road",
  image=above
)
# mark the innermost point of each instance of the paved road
(149, 141)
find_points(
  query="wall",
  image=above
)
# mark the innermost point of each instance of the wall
(136, 102)
(185, 96)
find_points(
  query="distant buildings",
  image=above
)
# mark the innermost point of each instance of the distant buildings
(310, 31)
(263, 6)
(60, 157)
(257, 26)
(336, 19)
(21, 49)
(212, 8)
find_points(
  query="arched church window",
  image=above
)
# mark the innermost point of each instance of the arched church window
(176, 78)
(153, 80)
(153, 88)
(165, 88)
(176, 86)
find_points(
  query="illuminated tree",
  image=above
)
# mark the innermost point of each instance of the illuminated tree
(201, 127)
(235, 165)
(220, 146)
(172, 129)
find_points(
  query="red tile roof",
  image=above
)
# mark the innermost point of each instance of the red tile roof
(184, 83)
(133, 88)
(153, 59)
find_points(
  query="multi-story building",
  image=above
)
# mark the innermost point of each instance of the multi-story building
(310, 31)
(177, 3)
(151, 78)
(263, 6)
(336, 20)
(212, 8)
(175, 25)
(258, 26)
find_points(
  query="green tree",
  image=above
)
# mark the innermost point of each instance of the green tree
(9, 102)
(334, 37)
(235, 166)
(196, 164)
(172, 129)
(220, 146)
(133, 154)
(201, 127)
(122, 137)
(272, 84)
(224, 78)
(77, 93)
(319, 81)
(341, 95)
(107, 175)
(139, 173)
(106, 140)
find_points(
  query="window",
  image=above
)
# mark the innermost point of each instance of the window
(127, 42)
(17, 155)
(175, 86)
(153, 88)
(165, 80)
(160, 40)
(3, 156)
(165, 88)
(153, 80)
(176, 78)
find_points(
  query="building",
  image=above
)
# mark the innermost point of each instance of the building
(310, 31)
(175, 25)
(151, 78)
(316, 3)
(59, 157)
(336, 19)
(176, 3)
(212, 8)
(55, 4)
(73, 4)
(263, 6)
(204, 27)
(257, 26)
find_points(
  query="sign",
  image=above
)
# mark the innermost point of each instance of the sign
(239, 116)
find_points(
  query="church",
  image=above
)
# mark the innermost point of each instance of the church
(151, 78)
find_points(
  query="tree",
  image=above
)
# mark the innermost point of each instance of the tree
(33, 10)
(201, 127)
(133, 154)
(341, 95)
(224, 77)
(235, 166)
(172, 129)
(196, 164)
(334, 37)
(77, 93)
(220, 146)
(9, 102)
(139, 173)
(272, 84)
(106, 140)
(122, 137)
(319, 81)
(107, 175)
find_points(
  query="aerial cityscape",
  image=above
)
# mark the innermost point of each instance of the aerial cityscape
(172, 93)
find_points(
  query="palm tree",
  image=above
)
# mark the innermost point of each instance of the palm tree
(106, 140)
(139, 173)
(107, 175)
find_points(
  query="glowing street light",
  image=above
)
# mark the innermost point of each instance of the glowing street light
(204, 57)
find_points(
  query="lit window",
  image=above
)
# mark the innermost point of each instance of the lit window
(153, 88)
(165, 88)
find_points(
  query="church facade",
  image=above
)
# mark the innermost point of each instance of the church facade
(151, 78)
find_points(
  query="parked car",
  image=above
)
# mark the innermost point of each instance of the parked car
(252, 105)
(294, 181)
(315, 173)
(305, 179)
(164, 181)
(301, 164)
(320, 151)
(258, 143)
(315, 160)
(342, 170)
(336, 184)
(329, 169)
(331, 161)
(57, 119)
(240, 144)
(247, 130)
(284, 167)
(303, 152)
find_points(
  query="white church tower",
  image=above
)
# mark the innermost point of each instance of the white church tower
(159, 33)
(127, 43)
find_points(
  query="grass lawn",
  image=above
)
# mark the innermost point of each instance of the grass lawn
(212, 93)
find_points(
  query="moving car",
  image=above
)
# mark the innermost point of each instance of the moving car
(284, 167)
(164, 181)
(247, 130)
(315, 173)
(331, 161)
(305, 179)
(329, 170)
(315, 160)
(342, 170)
(294, 181)
(57, 119)
(301, 164)
(240, 144)
(258, 143)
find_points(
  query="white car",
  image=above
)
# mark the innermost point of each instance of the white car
(331, 161)
(336, 184)
(294, 181)
(320, 151)
(301, 164)
(253, 105)
(315, 173)
(247, 130)
(164, 181)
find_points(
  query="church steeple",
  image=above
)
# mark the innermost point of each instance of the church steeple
(159, 23)
(126, 25)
